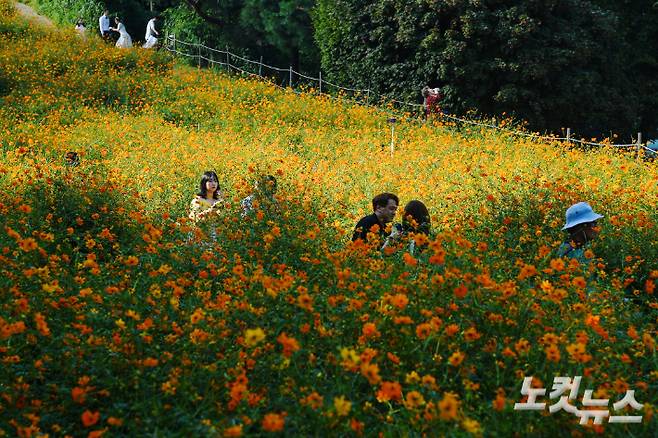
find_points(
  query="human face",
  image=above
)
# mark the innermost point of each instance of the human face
(591, 230)
(211, 185)
(386, 214)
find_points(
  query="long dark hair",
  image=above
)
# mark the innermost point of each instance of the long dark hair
(207, 176)
(416, 211)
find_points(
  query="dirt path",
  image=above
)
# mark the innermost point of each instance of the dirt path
(31, 15)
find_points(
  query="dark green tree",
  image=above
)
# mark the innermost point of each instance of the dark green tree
(553, 63)
(281, 31)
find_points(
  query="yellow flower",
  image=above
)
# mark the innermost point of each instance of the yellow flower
(253, 336)
(471, 426)
(342, 406)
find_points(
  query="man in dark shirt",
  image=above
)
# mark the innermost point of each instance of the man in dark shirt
(384, 207)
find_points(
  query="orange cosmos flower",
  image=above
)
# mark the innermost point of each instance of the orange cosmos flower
(557, 264)
(438, 258)
(451, 329)
(522, 346)
(409, 259)
(197, 316)
(389, 391)
(273, 422)
(289, 344)
(471, 334)
(423, 330)
(41, 324)
(24, 208)
(233, 431)
(448, 406)
(28, 244)
(527, 271)
(90, 418)
(413, 400)
(456, 358)
(500, 401)
(460, 291)
(150, 362)
(370, 330)
(579, 282)
(371, 372)
(131, 261)
(552, 353)
(113, 421)
(400, 301)
(78, 394)
(313, 400)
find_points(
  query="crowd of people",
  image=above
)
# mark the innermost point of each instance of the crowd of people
(581, 226)
(378, 228)
(118, 34)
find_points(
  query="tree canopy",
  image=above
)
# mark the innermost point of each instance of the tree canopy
(554, 63)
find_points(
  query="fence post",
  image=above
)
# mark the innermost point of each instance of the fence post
(260, 66)
(228, 61)
(173, 36)
(368, 96)
(392, 121)
(320, 76)
(568, 135)
(639, 145)
(198, 53)
(290, 79)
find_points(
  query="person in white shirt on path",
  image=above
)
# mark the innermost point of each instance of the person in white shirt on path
(151, 34)
(124, 40)
(104, 25)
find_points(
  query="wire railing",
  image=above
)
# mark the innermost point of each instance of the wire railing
(366, 97)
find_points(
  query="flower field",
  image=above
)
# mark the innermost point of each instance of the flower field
(119, 316)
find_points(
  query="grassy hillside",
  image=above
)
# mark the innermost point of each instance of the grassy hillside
(120, 316)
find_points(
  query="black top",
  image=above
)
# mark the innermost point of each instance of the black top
(365, 224)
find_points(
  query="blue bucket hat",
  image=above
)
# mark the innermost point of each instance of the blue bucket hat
(580, 213)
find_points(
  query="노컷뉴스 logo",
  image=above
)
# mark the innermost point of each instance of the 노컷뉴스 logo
(592, 407)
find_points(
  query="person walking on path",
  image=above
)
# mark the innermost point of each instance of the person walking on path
(124, 40)
(152, 34)
(384, 207)
(104, 25)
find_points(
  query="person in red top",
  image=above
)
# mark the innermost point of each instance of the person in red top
(431, 100)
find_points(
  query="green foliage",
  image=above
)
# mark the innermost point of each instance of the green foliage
(67, 12)
(279, 31)
(557, 63)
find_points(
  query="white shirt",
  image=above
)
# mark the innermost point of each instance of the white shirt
(150, 29)
(104, 23)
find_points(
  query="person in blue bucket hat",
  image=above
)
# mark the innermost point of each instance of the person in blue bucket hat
(582, 229)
